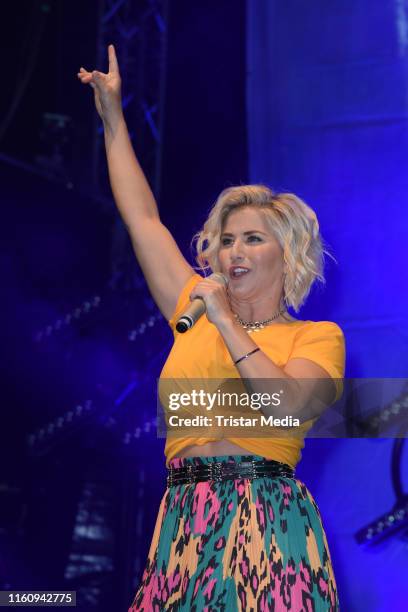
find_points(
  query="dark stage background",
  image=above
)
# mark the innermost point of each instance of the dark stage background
(311, 100)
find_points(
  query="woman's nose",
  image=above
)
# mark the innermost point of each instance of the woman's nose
(237, 251)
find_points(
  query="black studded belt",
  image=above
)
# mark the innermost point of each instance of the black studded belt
(219, 471)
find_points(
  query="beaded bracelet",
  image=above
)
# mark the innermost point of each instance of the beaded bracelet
(247, 355)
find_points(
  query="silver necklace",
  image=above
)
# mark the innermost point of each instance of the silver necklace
(255, 326)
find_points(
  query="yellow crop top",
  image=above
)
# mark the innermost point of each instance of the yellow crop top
(201, 354)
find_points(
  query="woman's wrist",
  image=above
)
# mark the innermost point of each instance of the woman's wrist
(227, 325)
(113, 122)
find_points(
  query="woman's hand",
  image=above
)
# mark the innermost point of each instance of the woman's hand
(216, 301)
(107, 89)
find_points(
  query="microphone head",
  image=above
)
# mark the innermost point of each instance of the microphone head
(219, 277)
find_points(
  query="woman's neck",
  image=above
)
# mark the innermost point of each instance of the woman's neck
(262, 309)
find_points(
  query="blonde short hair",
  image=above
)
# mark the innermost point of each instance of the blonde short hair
(294, 225)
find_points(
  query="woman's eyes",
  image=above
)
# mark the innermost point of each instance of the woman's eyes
(254, 238)
(250, 238)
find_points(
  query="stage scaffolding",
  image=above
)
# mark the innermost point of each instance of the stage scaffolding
(139, 32)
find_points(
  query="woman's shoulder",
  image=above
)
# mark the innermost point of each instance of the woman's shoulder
(289, 320)
(308, 330)
(317, 326)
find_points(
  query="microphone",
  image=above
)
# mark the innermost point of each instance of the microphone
(197, 307)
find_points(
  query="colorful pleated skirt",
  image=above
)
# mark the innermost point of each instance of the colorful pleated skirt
(247, 545)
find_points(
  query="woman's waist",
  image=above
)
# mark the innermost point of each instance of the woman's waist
(216, 447)
(190, 470)
(280, 449)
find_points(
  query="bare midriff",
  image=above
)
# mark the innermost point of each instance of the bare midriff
(220, 447)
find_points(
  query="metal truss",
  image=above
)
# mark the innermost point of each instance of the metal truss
(138, 29)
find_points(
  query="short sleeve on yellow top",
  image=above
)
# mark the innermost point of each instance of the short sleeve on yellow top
(201, 354)
(323, 343)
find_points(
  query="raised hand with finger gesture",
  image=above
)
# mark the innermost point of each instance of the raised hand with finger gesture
(164, 267)
(107, 89)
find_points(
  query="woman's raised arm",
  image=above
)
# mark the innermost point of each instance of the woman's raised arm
(165, 269)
